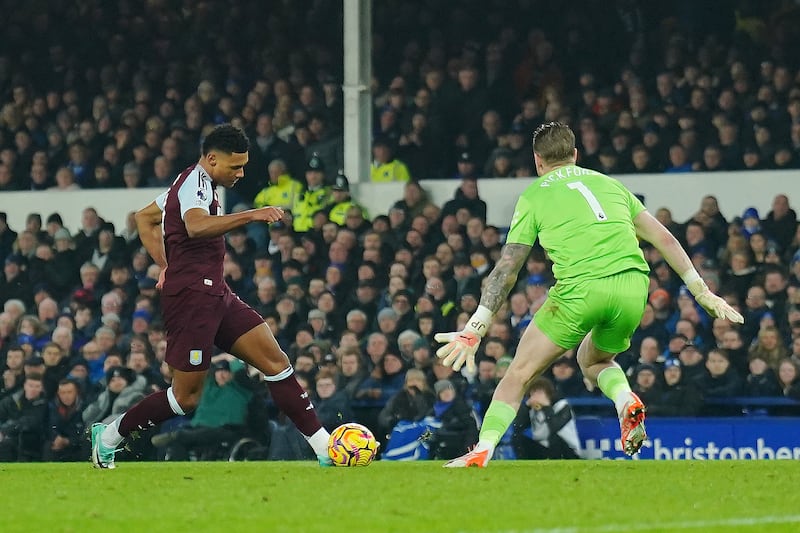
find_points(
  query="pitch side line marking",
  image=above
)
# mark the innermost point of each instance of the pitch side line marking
(697, 524)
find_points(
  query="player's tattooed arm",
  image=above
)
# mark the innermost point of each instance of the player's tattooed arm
(504, 275)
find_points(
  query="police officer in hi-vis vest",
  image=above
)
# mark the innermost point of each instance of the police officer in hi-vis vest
(315, 198)
(342, 201)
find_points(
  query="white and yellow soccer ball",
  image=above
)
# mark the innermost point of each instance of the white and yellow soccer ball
(352, 444)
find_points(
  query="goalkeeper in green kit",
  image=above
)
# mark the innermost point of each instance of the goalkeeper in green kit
(588, 223)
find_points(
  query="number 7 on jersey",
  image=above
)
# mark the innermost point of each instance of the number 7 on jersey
(590, 198)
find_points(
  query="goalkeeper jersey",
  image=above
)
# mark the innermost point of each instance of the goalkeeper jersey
(584, 220)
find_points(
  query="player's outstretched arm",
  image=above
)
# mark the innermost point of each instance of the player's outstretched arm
(148, 223)
(200, 224)
(462, 345)
(651, 230)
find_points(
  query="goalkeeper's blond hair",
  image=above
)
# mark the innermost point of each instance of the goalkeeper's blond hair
(554, 142)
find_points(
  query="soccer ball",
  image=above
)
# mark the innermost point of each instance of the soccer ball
(352, 444)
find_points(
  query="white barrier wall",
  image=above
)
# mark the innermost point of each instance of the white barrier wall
(681, 193)
(112, 205)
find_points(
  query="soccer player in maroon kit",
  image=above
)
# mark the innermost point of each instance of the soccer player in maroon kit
(183, 231)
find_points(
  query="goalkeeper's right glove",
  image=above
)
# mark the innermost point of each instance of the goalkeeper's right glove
(462, 345)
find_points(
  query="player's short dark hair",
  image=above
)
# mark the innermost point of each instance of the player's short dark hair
(226, 138)
(554, 142)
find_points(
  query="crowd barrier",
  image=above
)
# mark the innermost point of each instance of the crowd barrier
(696, 438)
(753, 436)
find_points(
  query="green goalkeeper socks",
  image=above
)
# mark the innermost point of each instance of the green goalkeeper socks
(498, 417)
(614, 384)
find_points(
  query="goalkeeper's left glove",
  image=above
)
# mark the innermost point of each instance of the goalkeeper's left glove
(716, 306)
(462, 345)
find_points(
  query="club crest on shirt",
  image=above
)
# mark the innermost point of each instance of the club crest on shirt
(195, 357)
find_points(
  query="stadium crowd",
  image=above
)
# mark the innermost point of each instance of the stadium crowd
(118, 100)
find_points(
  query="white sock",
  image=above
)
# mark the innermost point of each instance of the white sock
(620, 401)
(110, 436)
(485, 445)
(319, 442)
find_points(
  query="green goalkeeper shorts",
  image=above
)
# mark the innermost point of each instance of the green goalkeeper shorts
(611, 308)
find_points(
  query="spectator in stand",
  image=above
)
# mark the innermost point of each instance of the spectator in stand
(372, 394)
(466, 197)
(781, 222)
(332, 405)
(315, 198)
(411, 403)
(351, 372)
(220, 415)
(678, 160)
(486, 139)
(65, 181)
(459, 428)
(385, 167)
(752, 159)
(789, 379)
(761, 379)
(769, 347)
(751, 223)
(342, 202)
(267, 148)
(282, 190)
(649, 326)
(646, 382)
(649, 354)
(678, 397)
(420, 147)
(722, 380)
(7, 235)
(124, 388)
(551, 422)
(466, 166)
(66, 438)
(567, 377)
(56, 362)
(13, 374)
(642, 161)
(14, 284)
(23, 419)
(693, 365)
(414, 200)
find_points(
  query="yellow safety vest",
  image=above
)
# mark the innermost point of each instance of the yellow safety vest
(283, 194)
(392, 171)
(338, 212)
(307, 205)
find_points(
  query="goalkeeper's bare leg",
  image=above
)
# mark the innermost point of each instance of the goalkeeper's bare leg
(599, 368)
(535, 353)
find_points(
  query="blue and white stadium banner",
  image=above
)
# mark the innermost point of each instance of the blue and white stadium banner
(696, 438)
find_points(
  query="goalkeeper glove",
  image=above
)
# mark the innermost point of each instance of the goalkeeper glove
(716, 306)
(462, 345)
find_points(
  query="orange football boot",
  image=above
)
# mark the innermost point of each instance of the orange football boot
(632, 425)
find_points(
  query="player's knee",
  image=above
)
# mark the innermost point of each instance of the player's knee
(188, 400)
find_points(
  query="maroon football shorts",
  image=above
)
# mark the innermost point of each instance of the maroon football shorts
(195, 322)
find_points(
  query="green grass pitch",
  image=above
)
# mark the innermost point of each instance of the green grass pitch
(509, 496)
